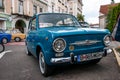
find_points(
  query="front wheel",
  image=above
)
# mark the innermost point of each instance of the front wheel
(4, 41)
(44, 68)
(2, 48)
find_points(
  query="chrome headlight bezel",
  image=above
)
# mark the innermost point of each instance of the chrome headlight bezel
(54, 43)
(107, 40)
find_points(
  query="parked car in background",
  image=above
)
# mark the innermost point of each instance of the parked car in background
(94, 26)
(84, 24)
(97, 27)
(17, 36)
(58, 39)
(4, 37)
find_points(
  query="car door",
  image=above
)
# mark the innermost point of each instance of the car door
(31, 34)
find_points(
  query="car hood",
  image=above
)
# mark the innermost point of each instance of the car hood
(66, 31)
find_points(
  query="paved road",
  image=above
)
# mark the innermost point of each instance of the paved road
(16, 65)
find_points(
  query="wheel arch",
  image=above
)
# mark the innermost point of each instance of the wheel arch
(4, 38)
(38, 49)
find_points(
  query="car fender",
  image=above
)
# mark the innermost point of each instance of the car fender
(41, 48)
(7, 37)
(47, 54)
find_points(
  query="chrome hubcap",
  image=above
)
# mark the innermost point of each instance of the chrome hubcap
(4, 41)
(42, 63)
(17, 39)
(26, 50)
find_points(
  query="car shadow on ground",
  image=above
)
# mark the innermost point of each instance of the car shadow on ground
(76, 68)
(71, 68)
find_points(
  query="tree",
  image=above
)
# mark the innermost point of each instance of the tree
(112, 17)
(80, 17)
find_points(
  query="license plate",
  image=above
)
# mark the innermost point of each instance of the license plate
(90, 56)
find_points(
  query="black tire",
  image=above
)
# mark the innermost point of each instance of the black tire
(2, 48)
(4, 40)
(17, 39)
(44, 68)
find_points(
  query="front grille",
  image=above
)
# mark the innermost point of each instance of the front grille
(96, 45)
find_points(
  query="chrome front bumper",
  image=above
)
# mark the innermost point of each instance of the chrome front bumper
(74, 58)
(61, 60)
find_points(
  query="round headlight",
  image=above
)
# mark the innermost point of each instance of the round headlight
(59, 45)
(107, 40)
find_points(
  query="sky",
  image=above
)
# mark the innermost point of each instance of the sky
(91, 9)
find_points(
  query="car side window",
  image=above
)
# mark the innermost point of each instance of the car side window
(32, 25)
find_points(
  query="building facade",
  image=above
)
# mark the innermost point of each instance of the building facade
(5, 20)
(57, 6)
(75, 7)
(17, 13)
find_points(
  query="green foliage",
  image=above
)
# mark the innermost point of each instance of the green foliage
(112, 16)
(80, 17)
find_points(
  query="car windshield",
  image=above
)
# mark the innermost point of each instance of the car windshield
(56, 20)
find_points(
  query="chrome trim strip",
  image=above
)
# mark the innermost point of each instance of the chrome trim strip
(86, 42)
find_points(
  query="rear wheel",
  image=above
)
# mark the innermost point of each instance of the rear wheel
(44, 68)
(2, 48)
(17, 39)
(4, 41)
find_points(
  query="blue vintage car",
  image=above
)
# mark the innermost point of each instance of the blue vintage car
(57, 39)
(4, 37)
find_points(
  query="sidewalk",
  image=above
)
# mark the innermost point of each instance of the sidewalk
(116, 45)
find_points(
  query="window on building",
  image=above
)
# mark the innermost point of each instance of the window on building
(1, 3)
(41, 10)
(59, 1)
(20, 7)
(63, 2)
(52, 8)
(1, 6)
(34, 9)
(70, 8)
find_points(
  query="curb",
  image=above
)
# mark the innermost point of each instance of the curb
(117, 56)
